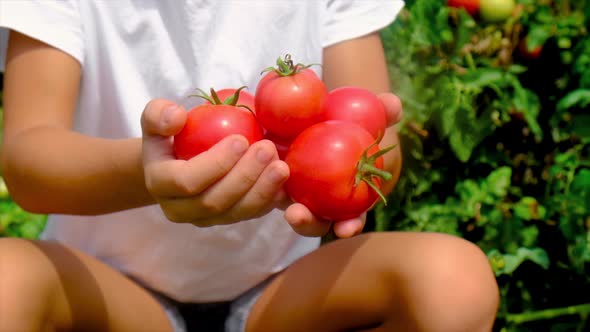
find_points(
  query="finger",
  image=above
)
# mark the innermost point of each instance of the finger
(247, 191)
(304, 222)
(266, 194)
(179, 178)
(160, 120)
(349, 228)
(234, 186)
(393, 107)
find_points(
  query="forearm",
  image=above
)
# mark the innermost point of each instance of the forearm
(54, 170)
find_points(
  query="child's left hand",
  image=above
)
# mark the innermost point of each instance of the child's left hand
(305, 223)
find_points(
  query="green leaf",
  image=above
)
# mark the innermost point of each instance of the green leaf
(499, 181)
(508, 263)
(576, 98)
(528, 103)
(529, 209)
(580, 126)
(537, 36)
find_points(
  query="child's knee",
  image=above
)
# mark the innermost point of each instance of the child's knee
(457, 282)
(26, 281)
(446, 283)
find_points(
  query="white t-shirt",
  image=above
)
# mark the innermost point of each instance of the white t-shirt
(132, 51)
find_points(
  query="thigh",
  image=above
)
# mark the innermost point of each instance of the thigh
(379, 282)
(48, 286)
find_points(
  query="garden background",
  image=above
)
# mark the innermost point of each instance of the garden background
(496, 144)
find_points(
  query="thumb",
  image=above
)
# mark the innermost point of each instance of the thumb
(160, 120)
(393, 107)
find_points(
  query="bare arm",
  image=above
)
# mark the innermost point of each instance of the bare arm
(49, 168)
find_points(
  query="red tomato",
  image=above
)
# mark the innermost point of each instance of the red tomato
(324, 173)
(357, 105)
(245, 97)
(471, 6)
(289, 99)
(281, 145)
(528, 53)
(209, 123)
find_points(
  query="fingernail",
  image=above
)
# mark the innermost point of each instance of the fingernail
(168, 113)
(276, 175)
(239, 146)
(263, 156)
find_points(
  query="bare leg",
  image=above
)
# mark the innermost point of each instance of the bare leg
(49, 287)
(383, 282)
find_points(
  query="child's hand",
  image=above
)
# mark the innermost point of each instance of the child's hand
(226, 184)
(305, 223)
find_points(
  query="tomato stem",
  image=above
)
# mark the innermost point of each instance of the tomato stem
(286, 67)
(214, 98)
(367, 171)
(233, 99)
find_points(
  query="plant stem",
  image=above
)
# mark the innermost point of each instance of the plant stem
(581, 309)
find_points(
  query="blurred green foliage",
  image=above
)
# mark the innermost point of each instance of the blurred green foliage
(496, 145)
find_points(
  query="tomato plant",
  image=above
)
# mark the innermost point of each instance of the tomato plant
(288, 98)
(336, 170)
(496, 10)
(471, 6)
(358, 105)
(210, 122)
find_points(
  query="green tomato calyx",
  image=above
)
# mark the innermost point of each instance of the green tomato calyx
(367, 171)
(214, 99)
(286, 67)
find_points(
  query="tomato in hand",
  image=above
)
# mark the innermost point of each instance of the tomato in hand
(471, 6)
(288, 99)
(358, 105)
(281, 145)
(336, 170)
(210, 122)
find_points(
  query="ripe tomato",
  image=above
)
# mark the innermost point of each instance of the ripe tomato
(288, 99)
(281, 145)
(357, 105)
(210, 122)
(245, 98)
(496, 10)
(330, 172)
(534, 53)
(471, 6)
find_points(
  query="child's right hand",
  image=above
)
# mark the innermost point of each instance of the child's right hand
(226, 184)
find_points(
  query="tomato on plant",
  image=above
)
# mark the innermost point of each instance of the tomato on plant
(496, 10)
(288, 98)
(210, 122)
(336, 170)
(471, 6)
(358, 105)
(527, 52)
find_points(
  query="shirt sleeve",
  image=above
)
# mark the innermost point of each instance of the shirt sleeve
(347, 19)
(54, 22)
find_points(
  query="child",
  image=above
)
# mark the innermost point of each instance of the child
(139, 241)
